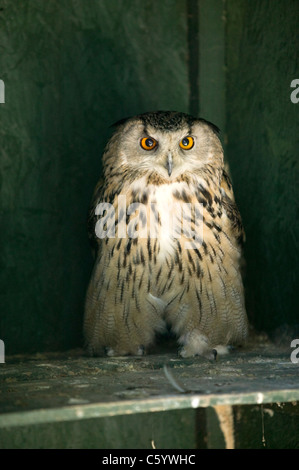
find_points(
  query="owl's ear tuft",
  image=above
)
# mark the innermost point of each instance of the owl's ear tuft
(120, 122)
(214, 128)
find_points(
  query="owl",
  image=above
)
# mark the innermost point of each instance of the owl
(167, 236)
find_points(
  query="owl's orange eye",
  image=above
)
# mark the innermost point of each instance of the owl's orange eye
(187, 143)
(148, 143)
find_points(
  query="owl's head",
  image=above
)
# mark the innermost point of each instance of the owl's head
(165, 142)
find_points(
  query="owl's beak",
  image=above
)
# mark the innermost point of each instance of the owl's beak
(169, 163)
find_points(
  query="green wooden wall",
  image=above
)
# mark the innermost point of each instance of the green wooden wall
(71, 69)
(263, 143)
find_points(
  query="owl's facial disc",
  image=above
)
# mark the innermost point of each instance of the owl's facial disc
(169, 153)
(166, 152)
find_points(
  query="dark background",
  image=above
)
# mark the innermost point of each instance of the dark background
(73, 68)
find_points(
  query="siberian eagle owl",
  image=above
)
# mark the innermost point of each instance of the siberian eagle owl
(167, 234)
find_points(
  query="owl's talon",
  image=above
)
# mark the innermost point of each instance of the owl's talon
(141, 351)
(210, 355)
(181, 352)
(109, 352)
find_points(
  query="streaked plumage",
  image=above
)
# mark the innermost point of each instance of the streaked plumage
(140, 285)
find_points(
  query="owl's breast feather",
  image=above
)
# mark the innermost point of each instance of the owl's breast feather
(167, 226)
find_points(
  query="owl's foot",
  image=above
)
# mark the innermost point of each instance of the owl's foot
(223, 350)
(141, 351)
(110, 352)
(210, 354)
(197, 344)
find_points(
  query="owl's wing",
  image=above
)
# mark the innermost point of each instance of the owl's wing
(230, 206)
(92, 218)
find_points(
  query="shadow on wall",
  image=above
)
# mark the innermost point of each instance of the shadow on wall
(263, 141)
(70, 72)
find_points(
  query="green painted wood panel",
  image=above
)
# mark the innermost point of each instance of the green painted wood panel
(212, 75)
(164, 430)
(269, 426)
(70, 69)
(263, 141)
